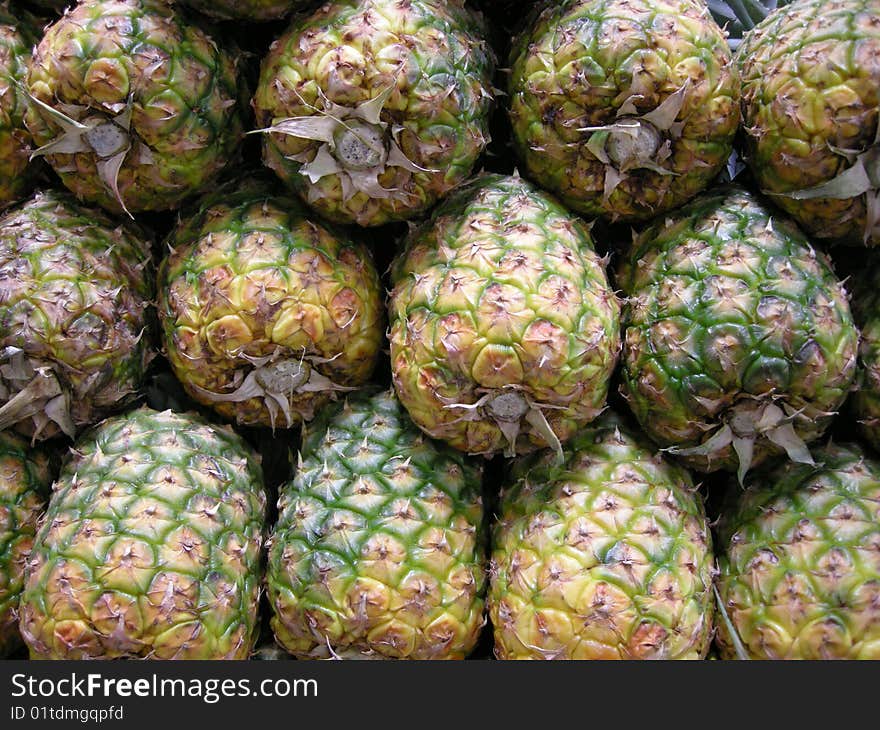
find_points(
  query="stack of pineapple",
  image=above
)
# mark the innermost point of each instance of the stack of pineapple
(626, 411)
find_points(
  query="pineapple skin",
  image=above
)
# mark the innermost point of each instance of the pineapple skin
(606, 556)
(500, 295)
(429, 56)
(581, 63)
(24, 485)
(733, 317)
(379, 549)
(150, 546)
(158, 88)
(17, 36)
(811, 103)
(75, 317)
(799, 560)
(253, 274)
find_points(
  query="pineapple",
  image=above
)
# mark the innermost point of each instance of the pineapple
(504, 330)
(811, 108)
(254, 11)
(606, 556)
(150, 546)
(17, 35)
(24, 483)
(74, 315)
(265, 313)
(800, 561)
(739, 343)
(372, 110)
(133, 106)
(378, 550)
(623, 108)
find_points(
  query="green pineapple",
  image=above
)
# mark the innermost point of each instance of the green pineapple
(623, 108)
(267, 314)
(504, 329)
(24, 484)
(133, 106)
(811, 111)
(150, 546)
(378, 550)
(374, 109)
(739, 343)
(605, 556)
(800, 561)
(74, 315)
(17, 35)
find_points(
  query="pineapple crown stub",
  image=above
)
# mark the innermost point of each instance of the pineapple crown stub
(747, 422)
(637, 141)
(274, 380)
(360, 146)
(356, 144)
(509, 408)
(108, 136)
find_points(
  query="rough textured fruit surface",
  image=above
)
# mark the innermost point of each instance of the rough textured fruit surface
(136, 108)
(623, 108)
(376, 108)
(606, 556)
(74, 315)
(16, 38)
(24, 485)
(800, 561)
(811, 102)
(378, 550)
(504, 330)
(865, 402)
(249, 10)
(739, 342)
(267, 314)
(150, 546)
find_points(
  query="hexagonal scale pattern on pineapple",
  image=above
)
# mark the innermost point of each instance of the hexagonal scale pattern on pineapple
(379, 547)
(150, 546)
(623, 108)
(739, 343)
(504, 329)
(605, 556)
